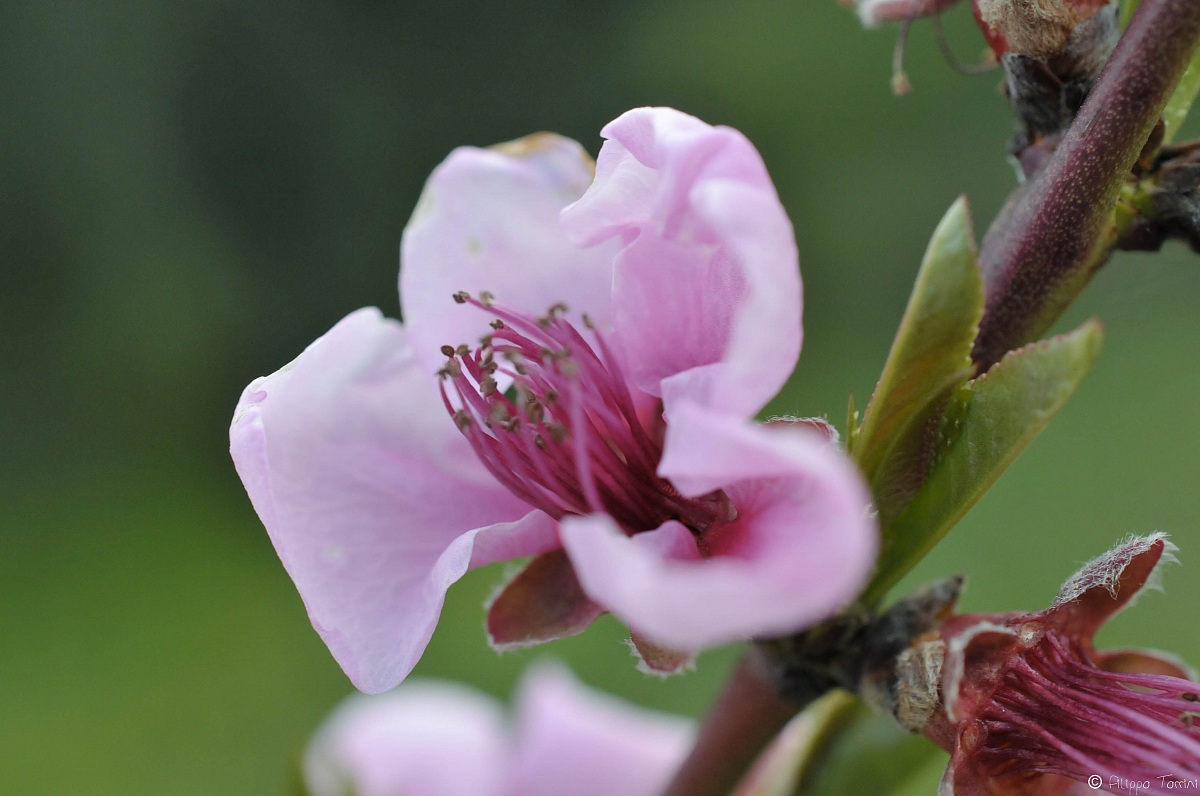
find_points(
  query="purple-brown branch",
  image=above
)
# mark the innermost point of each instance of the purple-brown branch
(747, 716)
(1037, 256)
(1055, 233)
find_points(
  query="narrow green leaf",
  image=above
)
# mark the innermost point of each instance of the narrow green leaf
(801, 746)
(1181, 101)
(868, 754)
(987, 423)
(837, 745)
(930, 358)
(1127, 9)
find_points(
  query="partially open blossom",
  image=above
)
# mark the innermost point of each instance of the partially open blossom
(431, 738)
(1029, 27)
(1030, 708)
(575, 380)
(876, 12)
(1068, 39)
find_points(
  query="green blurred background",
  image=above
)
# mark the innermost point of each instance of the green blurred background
(193, 191)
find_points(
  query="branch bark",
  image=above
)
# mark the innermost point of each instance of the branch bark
(1057, 231)
(746, 717)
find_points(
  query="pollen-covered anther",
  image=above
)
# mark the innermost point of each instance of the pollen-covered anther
(557, 425)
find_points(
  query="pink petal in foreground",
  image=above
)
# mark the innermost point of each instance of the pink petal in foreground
(428, 738)
(706, 291)
(488, 220)
(371, 497)
(799, 549)
(575, 741)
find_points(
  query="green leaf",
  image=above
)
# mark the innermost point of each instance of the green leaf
(1128, 7)
(987, 423)
(838, 745)
(868, 754)
(930, 358)
(802, 746)
(1181, 101)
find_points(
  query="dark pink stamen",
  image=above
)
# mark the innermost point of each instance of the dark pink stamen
(1057, 713)
(565, 437)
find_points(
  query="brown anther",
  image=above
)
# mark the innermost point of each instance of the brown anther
(497, 324)
(463, 350)
(568, 367)
(448, 350)
(587, 321)
(540, 441)
(452, 369)
(462, 420)
(1189, 697)
(550, 398)
(487, 386)
(498, 414)
(536, 413)
(461, 297)
(557, 430)
(486, 298)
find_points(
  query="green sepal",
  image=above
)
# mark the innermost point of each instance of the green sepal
(986, 425)
(929, 360)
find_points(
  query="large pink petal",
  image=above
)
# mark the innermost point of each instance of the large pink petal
(488, 220)
(800, 549)
(706, 292)
(370, 495)
(572, 740)
(427, 738)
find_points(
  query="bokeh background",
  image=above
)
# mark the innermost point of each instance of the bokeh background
(191, 192)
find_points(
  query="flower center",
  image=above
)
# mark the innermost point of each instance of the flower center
(567, 436)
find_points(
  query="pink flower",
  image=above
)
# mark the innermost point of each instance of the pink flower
(587, 402)
(876, 12)
(1037, 29)
(432, 738)
(1031, 708)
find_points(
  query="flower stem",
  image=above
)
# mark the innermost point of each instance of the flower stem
(1058, 230)
(748, 714)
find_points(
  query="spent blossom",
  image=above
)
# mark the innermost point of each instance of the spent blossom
(1030, 708)
(432, 738)
(583, 353)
